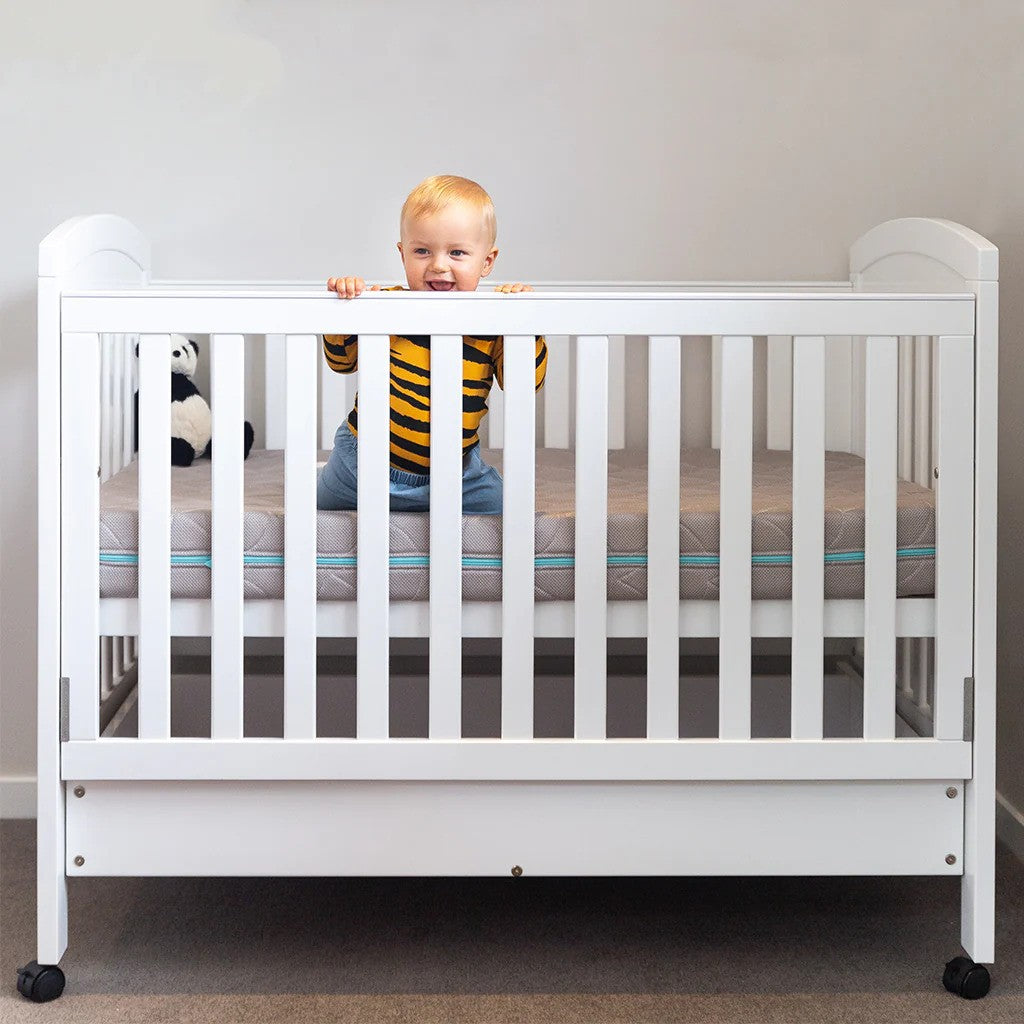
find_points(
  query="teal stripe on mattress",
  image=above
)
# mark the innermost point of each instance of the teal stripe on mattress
(484, 562)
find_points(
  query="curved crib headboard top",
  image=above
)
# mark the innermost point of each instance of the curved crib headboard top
(922, 248)
(96, 249)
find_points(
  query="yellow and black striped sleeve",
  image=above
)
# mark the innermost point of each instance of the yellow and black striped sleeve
(341, 352)
(541, 362)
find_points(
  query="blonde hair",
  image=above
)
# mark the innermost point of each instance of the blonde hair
(433, 194)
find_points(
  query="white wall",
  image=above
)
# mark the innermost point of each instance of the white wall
(658, 139)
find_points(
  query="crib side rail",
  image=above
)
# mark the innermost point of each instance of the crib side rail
(668, 320)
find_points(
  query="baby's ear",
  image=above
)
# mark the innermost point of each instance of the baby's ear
(489, 262)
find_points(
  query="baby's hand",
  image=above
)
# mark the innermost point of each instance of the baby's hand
(349, 287)
(509, 289)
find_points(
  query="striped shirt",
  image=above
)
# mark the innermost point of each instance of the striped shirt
(410, 389)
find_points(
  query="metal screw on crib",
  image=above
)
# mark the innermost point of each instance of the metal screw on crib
(79, 861)
(79, 791)
(950, 858)
(517, 871)
(951, 792)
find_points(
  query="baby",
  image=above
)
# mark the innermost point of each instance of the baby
(448, 231)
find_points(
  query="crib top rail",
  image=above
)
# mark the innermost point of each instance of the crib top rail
(299, 310)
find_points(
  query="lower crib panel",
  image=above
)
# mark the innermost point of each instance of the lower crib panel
(492, 828)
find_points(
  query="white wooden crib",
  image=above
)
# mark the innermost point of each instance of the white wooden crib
(896, 366)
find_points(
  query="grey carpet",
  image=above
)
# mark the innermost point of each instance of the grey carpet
(504, 950)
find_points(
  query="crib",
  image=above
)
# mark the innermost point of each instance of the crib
(799, 473)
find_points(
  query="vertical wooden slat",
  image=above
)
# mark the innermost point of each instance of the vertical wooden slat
(664, 413)
(108, 428)
(274, 410)
(117, 438)
(154, 537)
(129, 379)
(922, 474)
(227, 372)
(301, 358)
(904, 646)
(495, 421)
(555, 395)
(106, 434)
(80, 470)
(838, 377)
(954, 530)
(880, 418)
(858, 378)
(446, 536)
(616, 392)
(808, 536)
(922, 410)
(517, 547)
(737, 424)
(716, 391)
(780, 392)
(372, 643)
(591, 579)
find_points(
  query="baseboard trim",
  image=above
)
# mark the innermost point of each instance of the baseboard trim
(17, 796)
(1010, 825)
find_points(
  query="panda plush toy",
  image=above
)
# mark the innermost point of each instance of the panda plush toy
(191, 428)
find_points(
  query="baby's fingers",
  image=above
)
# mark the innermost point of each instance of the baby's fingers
(346, 287)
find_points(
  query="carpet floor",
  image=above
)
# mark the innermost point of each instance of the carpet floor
(266, 951)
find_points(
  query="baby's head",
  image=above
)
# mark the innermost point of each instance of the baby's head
(448, 231)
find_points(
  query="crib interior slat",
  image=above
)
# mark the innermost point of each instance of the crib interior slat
(494, 424)
(227, 371)
(808, 537)
(372, 641)
(274, 371)
(555, 395)
(779, 392)
(517, 549)
(591, 577)
(716, 391)
(880, 419)
(954, 523)
(445, 667)
(300, 536)
(736, 482)
(664, 435)
(154, 537)
(80, 469)
(616, 392)
(838, 371)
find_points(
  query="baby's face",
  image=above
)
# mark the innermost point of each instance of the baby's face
(447, 251)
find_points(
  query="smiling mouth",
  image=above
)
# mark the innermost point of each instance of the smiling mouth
(441, 286)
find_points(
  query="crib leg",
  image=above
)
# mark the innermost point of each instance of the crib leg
(42, 980)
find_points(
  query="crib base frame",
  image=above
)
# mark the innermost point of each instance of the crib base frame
(489, 828)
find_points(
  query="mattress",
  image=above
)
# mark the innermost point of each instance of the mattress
(772, 523)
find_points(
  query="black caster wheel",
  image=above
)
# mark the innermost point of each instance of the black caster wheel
(965, 978)
(40, 984)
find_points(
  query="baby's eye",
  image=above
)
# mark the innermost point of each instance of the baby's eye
(420, 252)
(458, 252)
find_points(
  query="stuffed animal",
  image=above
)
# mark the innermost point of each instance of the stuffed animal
(190, 415)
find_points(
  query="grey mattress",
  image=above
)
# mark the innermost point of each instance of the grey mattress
(627, 532)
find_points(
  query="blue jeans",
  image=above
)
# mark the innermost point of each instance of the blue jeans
(337, 483)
